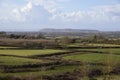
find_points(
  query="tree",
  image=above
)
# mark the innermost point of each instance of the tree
(2, 34)
(95, 38)
(40, 36)
(65, 40)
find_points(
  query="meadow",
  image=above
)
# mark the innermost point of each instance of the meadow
(29, 52)
(26, 62)
(91, 57)
(10, 60)
(107, 50)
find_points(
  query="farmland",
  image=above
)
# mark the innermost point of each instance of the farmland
(91, 57)
(58, 58)
(108, 50)
(29, 52)
(9, 60)
(12, 58)
(59, 39)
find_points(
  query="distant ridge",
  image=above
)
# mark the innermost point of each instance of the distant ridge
(50, 30)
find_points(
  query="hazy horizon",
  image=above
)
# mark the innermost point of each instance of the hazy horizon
(57, 29)
(33, 15)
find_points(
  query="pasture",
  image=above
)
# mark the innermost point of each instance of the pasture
(107, 50)
(91, 57)
(10, 60)
(29, 52)
(56, 70)
(21, 62)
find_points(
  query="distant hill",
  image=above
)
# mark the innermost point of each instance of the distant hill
(50, 30)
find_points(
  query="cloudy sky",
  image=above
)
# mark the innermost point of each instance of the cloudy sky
(29, 15)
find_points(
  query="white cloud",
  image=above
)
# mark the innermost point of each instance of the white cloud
(27, 8)
(97, 14)
(49, 5)
(20, 13)
(50, 13)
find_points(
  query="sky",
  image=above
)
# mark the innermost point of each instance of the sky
(33, 15)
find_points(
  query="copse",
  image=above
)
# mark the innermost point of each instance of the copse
(65, 40)
(3, 34)
(26, 36)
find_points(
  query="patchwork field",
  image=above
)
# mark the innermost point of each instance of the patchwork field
(56, 70)
(21, 62)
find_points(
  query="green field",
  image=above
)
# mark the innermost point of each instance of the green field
(116, 77)
(90, 57)
(22, 59)
(29, 52)
(92, 45)
(56, 70)
(6, 47)
(108, 50)
(9, 60)
(105, 45)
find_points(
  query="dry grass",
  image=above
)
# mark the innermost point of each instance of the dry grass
(110, 64)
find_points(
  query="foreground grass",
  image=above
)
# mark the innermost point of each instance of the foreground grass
(56, 70)
(29, 52)
(114, 77)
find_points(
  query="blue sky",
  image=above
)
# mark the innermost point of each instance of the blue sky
(33, 15)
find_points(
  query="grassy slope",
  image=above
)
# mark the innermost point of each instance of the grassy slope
(7, 47)
(112, 50)
(9, 60)
(57, 70)
(90, 57)
(93, 44)
(29, 52)
(116, 77)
